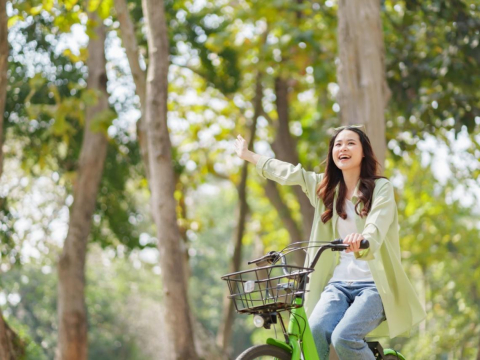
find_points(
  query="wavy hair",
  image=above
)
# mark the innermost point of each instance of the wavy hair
(334, 176)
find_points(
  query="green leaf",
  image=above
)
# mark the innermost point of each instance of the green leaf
(65, 22)
(60, 125)
(37, 81)
(48, 5)
(102, 121)
(69, 4)
(14, 19)
(76, 58)
(89, 97)
(93, 5)
(36, 10)
(104, 8)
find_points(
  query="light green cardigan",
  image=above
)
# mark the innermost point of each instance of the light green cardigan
(402, 307)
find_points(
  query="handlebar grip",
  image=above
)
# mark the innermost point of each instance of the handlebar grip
(364, 244)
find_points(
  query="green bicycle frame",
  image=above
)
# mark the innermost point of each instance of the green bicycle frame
(299, 335)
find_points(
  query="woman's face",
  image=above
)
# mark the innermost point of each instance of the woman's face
(347, 150)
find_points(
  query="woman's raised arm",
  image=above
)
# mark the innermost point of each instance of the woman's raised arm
(279, 171)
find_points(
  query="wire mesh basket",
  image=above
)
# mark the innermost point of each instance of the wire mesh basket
(267, 289)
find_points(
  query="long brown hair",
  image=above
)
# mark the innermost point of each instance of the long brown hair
(333, 176)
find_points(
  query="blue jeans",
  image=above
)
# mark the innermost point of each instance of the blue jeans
(344, 315)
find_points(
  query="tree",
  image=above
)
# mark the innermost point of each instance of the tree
(72, 313)
(225, 330)
(285, 148)
(127, 33)
(363, 93)
(5, 343)
(9, 343)
(162, 183)
(3, 69)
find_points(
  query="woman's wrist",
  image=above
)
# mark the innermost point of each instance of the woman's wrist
(252, 157)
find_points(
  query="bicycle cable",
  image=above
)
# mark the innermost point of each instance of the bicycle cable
(305, 323)
(303, 332)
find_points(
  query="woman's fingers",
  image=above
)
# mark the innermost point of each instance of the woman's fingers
(354, 241)
(348, 241)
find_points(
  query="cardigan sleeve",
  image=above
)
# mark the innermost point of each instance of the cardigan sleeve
(287, 174)
(379, 220)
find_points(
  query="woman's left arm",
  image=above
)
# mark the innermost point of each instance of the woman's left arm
(378, 220)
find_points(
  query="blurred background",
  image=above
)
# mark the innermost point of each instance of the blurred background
(115, 232)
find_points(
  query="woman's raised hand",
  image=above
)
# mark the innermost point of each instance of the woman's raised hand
(241, 147)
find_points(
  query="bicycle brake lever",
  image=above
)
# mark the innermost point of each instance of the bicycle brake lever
(340, 247)
(264, 260)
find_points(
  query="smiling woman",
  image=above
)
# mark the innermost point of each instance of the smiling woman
(353, 202)
(350, 161)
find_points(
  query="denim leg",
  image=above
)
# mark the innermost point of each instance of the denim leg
(364, 315)
(325, 316)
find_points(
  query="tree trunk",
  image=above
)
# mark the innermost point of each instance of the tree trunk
(6, 346)
(162, 184)
(205, 347)
(271, 190)
(285, 149)
(364, 92)
(72, 332)
(224, 333)
(478, 353)
(10, 344)
(127, 34)
(3, 70)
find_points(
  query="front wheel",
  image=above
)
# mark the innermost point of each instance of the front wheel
(264, 352)
(393, 357)
(389, 354)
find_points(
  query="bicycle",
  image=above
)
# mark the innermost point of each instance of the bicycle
(270, 289)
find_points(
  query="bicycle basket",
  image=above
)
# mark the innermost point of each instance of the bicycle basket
(267, 289)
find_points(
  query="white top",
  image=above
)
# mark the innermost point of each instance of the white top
(349, 268)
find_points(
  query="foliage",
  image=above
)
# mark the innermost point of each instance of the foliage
(114, 299)
(438, 234)
(431, 53)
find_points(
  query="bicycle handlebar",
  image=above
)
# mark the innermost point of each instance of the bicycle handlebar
(274, 256)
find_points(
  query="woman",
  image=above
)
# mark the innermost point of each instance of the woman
(351, 293)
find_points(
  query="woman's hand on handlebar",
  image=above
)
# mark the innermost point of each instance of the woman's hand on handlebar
(354, 241)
